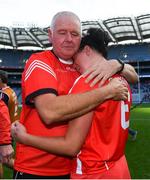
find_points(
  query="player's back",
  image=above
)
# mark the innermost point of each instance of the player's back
(107, 137)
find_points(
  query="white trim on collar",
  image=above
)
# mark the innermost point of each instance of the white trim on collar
(66, 62)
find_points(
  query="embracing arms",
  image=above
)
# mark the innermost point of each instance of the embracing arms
(53, 108)
(70, 143)
(105, 69)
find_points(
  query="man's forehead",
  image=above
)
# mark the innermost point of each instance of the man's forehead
(67, 24)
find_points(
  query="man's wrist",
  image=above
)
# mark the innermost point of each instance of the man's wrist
(121, 65)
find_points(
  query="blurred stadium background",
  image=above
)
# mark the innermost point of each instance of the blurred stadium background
(130, 41)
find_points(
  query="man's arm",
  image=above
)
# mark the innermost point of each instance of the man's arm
(53, 108)
(70, 144)
(130, 74)
(105, 69)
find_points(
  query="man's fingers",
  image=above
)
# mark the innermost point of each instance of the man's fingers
(103, 80)
(91, 76)
(87, 72)
(125, 94)
(96, 80)
(90, 71)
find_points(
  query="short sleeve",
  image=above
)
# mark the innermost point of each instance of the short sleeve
(39, 77)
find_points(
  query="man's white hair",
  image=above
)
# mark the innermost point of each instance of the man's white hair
(60, 14)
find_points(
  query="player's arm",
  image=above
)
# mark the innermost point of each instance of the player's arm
(69, 145)
(105, 69)
(5, 124)
(6, 150)
(130, 74)
(14, 107)
(54, 108)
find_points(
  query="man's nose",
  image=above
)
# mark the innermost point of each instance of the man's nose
(69, 36)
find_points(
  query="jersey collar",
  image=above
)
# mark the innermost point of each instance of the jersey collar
(66, 62)
(69, 62)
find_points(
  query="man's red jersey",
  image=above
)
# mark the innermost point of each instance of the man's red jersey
(43, 73)
(107, 137)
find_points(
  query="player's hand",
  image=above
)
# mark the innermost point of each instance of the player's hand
(101, 71)
(6, 153)
(119, 89)
(18, 131)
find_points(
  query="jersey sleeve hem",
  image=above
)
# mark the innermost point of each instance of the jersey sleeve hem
(28, 99)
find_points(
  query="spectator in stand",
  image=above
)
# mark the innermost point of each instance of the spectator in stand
(6, 150)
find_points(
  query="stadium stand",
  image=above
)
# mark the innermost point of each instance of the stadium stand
(130, 41)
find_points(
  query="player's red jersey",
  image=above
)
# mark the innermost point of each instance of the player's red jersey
(44, 73)
(107, 137)
(5, 123)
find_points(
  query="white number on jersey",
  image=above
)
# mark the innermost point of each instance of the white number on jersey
(124, 109)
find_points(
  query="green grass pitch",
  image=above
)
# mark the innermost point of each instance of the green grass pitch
(137, 152)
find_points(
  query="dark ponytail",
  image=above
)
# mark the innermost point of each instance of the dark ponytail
(97, 39)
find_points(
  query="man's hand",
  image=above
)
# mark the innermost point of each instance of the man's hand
(6, 153)
(101, 71)
(119, 89)
(18, 131)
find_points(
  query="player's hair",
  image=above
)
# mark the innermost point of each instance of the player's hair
(97, 39)
(4, 76)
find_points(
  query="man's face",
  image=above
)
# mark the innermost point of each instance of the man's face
(66, 37)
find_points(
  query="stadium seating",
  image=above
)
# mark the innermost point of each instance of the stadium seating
(138, 55)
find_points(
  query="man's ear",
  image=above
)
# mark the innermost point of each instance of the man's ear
(50, 35)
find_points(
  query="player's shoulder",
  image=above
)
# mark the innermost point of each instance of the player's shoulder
(42, 57)
(4, 97)
(80, 85)
(121, 78)
(80, 80)
(9, 91)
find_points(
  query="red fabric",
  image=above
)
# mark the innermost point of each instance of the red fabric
(107, 137)
(5, 124)
(118, 171)
(43, 71)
